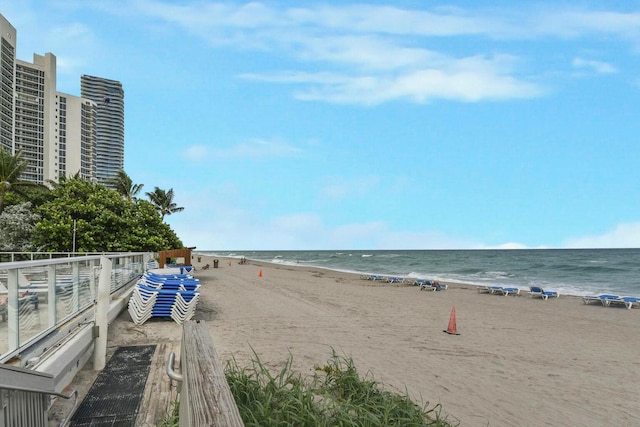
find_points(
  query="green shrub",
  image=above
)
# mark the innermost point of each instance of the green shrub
(335, 396)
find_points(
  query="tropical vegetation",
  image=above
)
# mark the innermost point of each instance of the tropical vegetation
(11, 169)
(163, 201)
(75, 214)
(16, 227)
(337, 395)
(124, 185)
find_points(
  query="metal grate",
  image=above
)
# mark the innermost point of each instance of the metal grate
(114, 397)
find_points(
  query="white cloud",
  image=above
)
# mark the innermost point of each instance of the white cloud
(259, 148)
(599, 67)
(622, 236)
(228, 19)
(340, 188)
(468, 79)
(371, 54)
(196, 153)
(219, 219)
(359, 54)
(252, 148)
(580, 23)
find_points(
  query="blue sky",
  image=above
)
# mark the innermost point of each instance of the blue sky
(369, 125)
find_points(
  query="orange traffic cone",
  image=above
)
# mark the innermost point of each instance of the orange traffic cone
(260, 273)
(451, 330)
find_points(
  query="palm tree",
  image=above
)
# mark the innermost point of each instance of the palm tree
(163, 201)
(62, 179)
(124, 185)
(11, 168)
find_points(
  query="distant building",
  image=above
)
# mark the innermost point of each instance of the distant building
(35, 106)
(7, 77)
(59, 135)
(77, 137)
(109, 97)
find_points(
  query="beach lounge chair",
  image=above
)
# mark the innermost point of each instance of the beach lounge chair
(537, 291)
(607, 298)
(433, 286)
(630, 301)
(440, 286)
(499, 290)
(604, 299)
(484, 289)
(426, 284)
(588, 299)
(626, 301)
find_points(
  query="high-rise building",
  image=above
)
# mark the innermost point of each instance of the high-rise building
(109, 97)
(54, 131)
(7, 76)
(35, 106)
(59, 135)
(76, 137)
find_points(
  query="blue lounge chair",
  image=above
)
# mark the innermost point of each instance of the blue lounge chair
(427, 284)
(499, 290)
(605, 299)
(537, 291)
(433, 286)
(630, 301)
(588, 299)
(625, 301)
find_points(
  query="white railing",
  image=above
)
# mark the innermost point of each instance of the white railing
(40, 296)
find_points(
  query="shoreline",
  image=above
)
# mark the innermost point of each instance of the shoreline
(523, 290)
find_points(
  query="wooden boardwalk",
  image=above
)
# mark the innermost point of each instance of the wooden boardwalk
(160, 393)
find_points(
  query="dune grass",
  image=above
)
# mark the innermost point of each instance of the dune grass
(336, 395)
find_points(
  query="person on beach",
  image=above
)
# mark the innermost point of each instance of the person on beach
(437, 285)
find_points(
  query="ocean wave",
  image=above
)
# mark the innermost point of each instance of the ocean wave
(282, 261)
(574, 272)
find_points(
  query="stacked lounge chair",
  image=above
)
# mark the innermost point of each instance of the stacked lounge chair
(164, 293)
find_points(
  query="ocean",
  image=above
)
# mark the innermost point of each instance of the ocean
(568, 271)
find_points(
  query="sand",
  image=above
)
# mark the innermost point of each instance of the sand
(518, 361)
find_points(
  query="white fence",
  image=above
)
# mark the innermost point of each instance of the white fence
(48, 308)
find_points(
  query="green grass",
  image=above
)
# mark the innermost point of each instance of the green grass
(172, 419)
(336, 395)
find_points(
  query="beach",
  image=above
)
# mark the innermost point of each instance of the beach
(518, 361)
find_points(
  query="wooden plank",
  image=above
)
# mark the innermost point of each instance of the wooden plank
(204, 389)
(159, 392)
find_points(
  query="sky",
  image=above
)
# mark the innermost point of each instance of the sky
(287, 125)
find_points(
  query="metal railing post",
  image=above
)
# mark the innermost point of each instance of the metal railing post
(102, 311)
(13, 313)
(51, 294)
